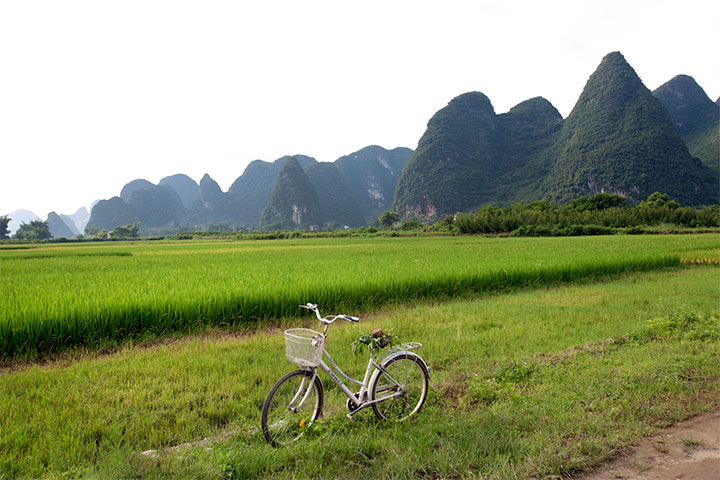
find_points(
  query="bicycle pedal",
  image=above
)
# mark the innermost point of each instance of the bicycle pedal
(350, 417)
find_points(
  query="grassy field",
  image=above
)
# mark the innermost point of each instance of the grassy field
(59, 297)
(535, 383)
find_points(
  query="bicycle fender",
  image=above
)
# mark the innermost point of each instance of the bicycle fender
(401, 353)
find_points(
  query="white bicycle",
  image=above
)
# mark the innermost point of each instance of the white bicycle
(395, 385)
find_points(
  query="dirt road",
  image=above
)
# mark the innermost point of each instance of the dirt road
(686, 451)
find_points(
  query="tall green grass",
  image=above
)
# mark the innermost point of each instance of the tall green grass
(57, 298)
(523, 385)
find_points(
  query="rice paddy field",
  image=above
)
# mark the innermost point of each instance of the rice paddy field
(59, 297)
(529, 380)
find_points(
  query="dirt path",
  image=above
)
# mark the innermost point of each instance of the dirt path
(686, 451)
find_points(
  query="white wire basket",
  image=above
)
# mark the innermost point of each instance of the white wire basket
(303, 346)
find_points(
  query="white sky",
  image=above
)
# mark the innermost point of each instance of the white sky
(96, 93)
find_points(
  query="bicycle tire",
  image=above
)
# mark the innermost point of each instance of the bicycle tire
(412, 375)
(281, 425)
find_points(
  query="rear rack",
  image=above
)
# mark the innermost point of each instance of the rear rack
(401, 348)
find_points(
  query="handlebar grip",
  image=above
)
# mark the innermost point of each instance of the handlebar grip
(350, 318)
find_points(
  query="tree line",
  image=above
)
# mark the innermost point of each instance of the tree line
(599, 214)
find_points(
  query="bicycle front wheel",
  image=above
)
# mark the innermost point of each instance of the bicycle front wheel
(404, 385)
(291, 407)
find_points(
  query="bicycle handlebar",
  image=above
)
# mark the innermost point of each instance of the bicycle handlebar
(330, 318)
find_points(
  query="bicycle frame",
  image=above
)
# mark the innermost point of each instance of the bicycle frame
(361, 400)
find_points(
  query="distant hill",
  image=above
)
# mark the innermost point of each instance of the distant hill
(371, 175)
(696, 117)
(294, 202)
(337, 204)
(18, 217)
(58, 227)
(213, 205)
(132, 187)
(186, 188)
(254, 187)
(70, 224)
(157, 206)
(154, 206)
(110, 213)
(454, 162)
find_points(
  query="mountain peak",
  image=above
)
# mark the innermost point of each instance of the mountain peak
(687, 102)
(133, 186)
(695, 116)
(294, 201)
(613, 84)
(536, 107)
(209, 188)
(187, 189)
(614, 58)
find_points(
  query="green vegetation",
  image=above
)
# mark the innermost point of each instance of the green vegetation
(600, 214)
(95, 299)
(605, 364)
(388, 219)
(4, 230)
(37, 230)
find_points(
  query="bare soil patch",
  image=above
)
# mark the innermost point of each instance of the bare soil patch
(689, 450)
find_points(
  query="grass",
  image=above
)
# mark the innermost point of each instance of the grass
(524, 385)
(94, 296)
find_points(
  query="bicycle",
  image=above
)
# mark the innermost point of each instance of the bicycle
(395, 387)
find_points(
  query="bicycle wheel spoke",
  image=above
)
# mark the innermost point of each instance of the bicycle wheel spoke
(285, 415)
(405, 376)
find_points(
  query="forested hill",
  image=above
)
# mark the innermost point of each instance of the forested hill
(294, 201)
(469, 156)
(619, 138)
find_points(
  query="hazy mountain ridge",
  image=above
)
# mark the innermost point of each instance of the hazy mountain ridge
(186, 188)
(337, 203)
(58, 227)
(351, 191)
(371, 175)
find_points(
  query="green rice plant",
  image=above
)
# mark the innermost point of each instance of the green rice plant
(59, 297)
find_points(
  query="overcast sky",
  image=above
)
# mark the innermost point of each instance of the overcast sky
(96, 93)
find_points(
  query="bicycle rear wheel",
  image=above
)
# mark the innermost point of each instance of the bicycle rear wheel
(407, 376)
(285, 416)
